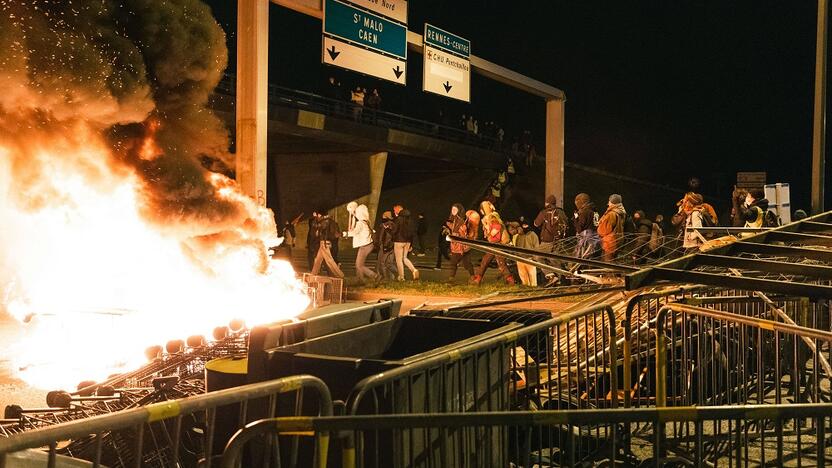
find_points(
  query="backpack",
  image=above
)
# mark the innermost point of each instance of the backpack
(556, 224)
(709, 212)
(707, 220)
(771, 219)
(382, 239)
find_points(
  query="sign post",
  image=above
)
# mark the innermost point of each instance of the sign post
(447, 65)
(367, 37)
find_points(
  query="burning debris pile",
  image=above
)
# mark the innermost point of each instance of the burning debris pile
(121, 226)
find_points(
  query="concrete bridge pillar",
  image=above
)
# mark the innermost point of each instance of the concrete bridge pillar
(555, 131)
(252, 97)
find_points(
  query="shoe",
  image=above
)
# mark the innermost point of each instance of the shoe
(476, 279)
(420, 254)
(400, 279)
(510, 281)
(437, 268)
(415, 275)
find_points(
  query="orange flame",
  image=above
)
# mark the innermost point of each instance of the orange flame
(97, 283)
(149, 149)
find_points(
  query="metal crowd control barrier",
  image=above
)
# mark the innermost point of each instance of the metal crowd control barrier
(642, 310)
(172, 433)
(567, 362)
(708, 358)
(720, 358)
(719, 436)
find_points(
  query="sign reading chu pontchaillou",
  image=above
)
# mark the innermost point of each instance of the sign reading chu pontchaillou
(447, 64)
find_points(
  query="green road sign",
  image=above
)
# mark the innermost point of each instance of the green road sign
(363, 28)
(446, 41)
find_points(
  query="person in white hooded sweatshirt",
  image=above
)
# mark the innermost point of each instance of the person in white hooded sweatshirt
(362, 238)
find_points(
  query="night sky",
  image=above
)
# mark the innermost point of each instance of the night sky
(656, 90)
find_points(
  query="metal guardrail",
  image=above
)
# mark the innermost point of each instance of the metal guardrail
(297, 99)
(717, 436)
(559, 348)
(566, 362)
(721, 358)
(162, 425)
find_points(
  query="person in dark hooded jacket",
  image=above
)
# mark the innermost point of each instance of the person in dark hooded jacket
(586, 221)
(553, 224)
(402, 238)
(642, 227)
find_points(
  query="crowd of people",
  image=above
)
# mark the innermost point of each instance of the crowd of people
(609, 234)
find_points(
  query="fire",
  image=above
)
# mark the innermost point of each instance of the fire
(97, 282)
(150, 150)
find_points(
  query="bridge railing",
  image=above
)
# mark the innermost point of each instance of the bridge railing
(297, 99)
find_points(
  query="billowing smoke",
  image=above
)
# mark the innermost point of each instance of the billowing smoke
(129, 70)
(114, 195)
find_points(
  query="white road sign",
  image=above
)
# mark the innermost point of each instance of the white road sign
(393, 9)
(446, 68)
(365, 61)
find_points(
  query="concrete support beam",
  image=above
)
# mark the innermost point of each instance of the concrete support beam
(252, 97)
(819, 121)
(378, 163)
(555, 137)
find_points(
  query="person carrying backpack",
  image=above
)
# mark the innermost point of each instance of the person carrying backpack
(383, 242)
(553, 224)
(586, 226)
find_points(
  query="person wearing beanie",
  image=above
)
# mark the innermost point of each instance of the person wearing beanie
(586, 222)
(611, 227)
(553, 224)
(328, 234)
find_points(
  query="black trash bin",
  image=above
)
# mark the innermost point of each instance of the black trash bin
(343, 359)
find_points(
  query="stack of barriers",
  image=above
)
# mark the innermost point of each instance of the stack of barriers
(684, 376)
(707, 376)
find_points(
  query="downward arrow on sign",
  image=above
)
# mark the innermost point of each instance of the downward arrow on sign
(398, 71)
(332, 52)
(447, 86)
